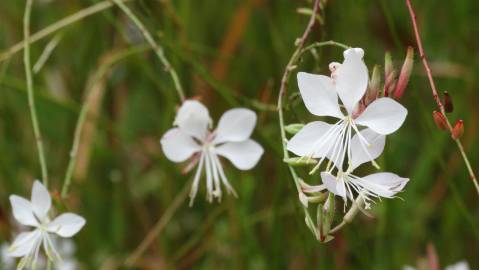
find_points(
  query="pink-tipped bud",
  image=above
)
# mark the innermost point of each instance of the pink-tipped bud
(405, 74)
(390, 84)
(440, 120)
(458, 129)
(448, 107)
(373, 87)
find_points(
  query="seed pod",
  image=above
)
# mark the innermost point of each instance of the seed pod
(293, 128)
(405, 74)
(448, 107)
(458, 129)
(440, 120)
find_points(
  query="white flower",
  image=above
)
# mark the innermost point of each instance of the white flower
(345, 183)
(463, 265)
(34, 213)
(192, 138)
(349, 81)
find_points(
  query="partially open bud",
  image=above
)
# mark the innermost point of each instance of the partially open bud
(293, 128)
(440, 120)
(405, 74)
(373, 87)
(448, 107)
(458, 129)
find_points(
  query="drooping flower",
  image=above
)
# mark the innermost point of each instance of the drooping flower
(349, 82)
(34, 213)
(345, 184)
(192, 137)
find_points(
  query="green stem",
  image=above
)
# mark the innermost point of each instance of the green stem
(102, 70)
(57, 26)
(156, 47)
(31, 96)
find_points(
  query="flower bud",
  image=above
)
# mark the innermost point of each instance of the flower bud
(373, 87)
(405, 74)
(390, 84)
(300, 161)
(458, 129)
(388, 64)
(327, 217)
(448, 107)
(293, 128)
(440, 120)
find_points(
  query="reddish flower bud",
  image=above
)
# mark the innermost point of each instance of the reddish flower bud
(388, 65)
(458, 129)
(448, 102)
(390, 84)
(405, 74)
(440, 120)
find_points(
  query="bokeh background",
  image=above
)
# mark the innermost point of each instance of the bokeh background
(233, 53)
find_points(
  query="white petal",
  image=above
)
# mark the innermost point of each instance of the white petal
(22, 211)
(351, 78)
(193, 119)
(66, 225)
(463, 265)
(335, 186)
(41, 200)
(383, 184)
(178, 146)
(376, 146)
(384, 116)
(23, 243)
(319, 95)
(244, 155)
(235, 125)
(310, 140)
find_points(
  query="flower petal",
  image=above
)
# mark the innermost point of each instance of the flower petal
(193, 119)
(376, 146)
(235, 125)
(177, 145)
(66, 225)
(41, 200)
(384, 115)
(334, 185)
(462, 265)
(309, 140)
(22, 211)
(384, 184)
(319, 95)
(23, 243)
(351, 78)
(244, 155)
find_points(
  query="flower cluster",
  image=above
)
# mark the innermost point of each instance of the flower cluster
(357, 135)
(192, 138)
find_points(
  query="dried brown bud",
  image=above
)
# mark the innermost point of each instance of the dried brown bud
(448, 107)
(458, 129)
(405, 74)
(440, 120)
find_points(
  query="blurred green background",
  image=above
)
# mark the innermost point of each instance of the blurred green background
(233, 53)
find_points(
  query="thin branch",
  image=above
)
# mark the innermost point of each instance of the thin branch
(57, 26)
(156, 47)
(159, 226)
(31, 96)
(435, 95)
